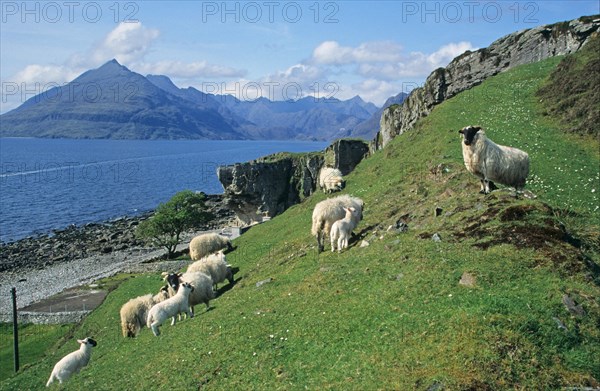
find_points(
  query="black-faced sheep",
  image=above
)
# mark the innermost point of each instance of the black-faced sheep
(170, 308)
(330, 180)
(215, 265)
(342, 229)
(135, 311)
(202, 283)
(206, 244)
(492, 162)
(72, 362)
(331, 210)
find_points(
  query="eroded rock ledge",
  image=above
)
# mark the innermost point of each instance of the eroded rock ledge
(265, 187)
(472, 68)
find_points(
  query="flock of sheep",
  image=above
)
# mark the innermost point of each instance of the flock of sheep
(334, 217)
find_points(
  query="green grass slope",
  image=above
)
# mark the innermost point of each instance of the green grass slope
(393, 315)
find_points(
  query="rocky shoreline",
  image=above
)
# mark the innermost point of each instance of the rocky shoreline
(43, 266)
(92, 239)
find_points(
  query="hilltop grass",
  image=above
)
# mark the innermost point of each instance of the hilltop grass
(393, 315)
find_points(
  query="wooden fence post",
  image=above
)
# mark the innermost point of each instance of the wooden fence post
(13, 292)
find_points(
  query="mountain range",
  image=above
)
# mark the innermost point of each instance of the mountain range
(114, 102)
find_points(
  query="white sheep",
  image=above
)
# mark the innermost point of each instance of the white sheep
(341, 230)
(330, 179)
(135, 312)
(215, 265)
(492, 162)
(206, 244)
(202, 283)
(331, 210)
(170, 308)
(72, 362)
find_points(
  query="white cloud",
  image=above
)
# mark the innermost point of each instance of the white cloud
(127, 43)
(332, 53)
(182, 70)
(376, 91)
(44, 74)
(413, 65)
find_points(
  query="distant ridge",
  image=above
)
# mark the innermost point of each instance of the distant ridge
(112, 102)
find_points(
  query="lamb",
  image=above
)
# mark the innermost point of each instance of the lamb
(135, 311)
(215, 265)
(330, 180)
(206, 244)
(341, 230)
(170, 308)
(72, 362)
(202, 283)
(492, 162)
(329, 211)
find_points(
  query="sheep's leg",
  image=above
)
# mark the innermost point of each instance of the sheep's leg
(482, 190)
(190, 314)
(173, 320)
(320, 239)
(486, 186)
(340, 244)
(154, 328)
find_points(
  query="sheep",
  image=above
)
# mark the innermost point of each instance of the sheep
(72, 362)
(206, 244)
(135, 311)
(215, 265)
(202, 283)
(330, 180)
(170, 308)
(341, 230)
(329, 211)
(492, 162)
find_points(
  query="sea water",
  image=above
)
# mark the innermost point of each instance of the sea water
(48, 184)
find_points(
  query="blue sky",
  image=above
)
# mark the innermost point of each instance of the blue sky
(276, 49)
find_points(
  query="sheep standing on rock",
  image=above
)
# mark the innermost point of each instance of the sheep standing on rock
(341, 230)
(135, 311)
(72, 362)
(331, 210)
(206, 244)
(215, 265)
(170, 308)
(330, 179)
(492, 162)
(202, 283)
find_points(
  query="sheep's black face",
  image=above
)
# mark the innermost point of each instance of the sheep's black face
(173, 281)
(90, 341)
(469, 133)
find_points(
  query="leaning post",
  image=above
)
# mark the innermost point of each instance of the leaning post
(13, 292)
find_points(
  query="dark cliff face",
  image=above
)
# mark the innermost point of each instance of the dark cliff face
(267, 187)
(472, 68)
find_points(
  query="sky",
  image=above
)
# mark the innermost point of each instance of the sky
(276, 49)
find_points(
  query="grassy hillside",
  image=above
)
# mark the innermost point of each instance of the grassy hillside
(572, 96)
(393, 315)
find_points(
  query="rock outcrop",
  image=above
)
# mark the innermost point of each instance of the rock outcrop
(472, 68)
(266, 187)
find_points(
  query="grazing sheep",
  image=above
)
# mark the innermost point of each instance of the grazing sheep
(135, 311)
(170, 308)
(330, 179)
(206, 244)
(341, 230)
(331, 210)
(202, 283)
(72, 362)
(492, 162)
(215, 265)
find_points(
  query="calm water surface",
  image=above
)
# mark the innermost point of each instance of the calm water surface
(49, 184)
